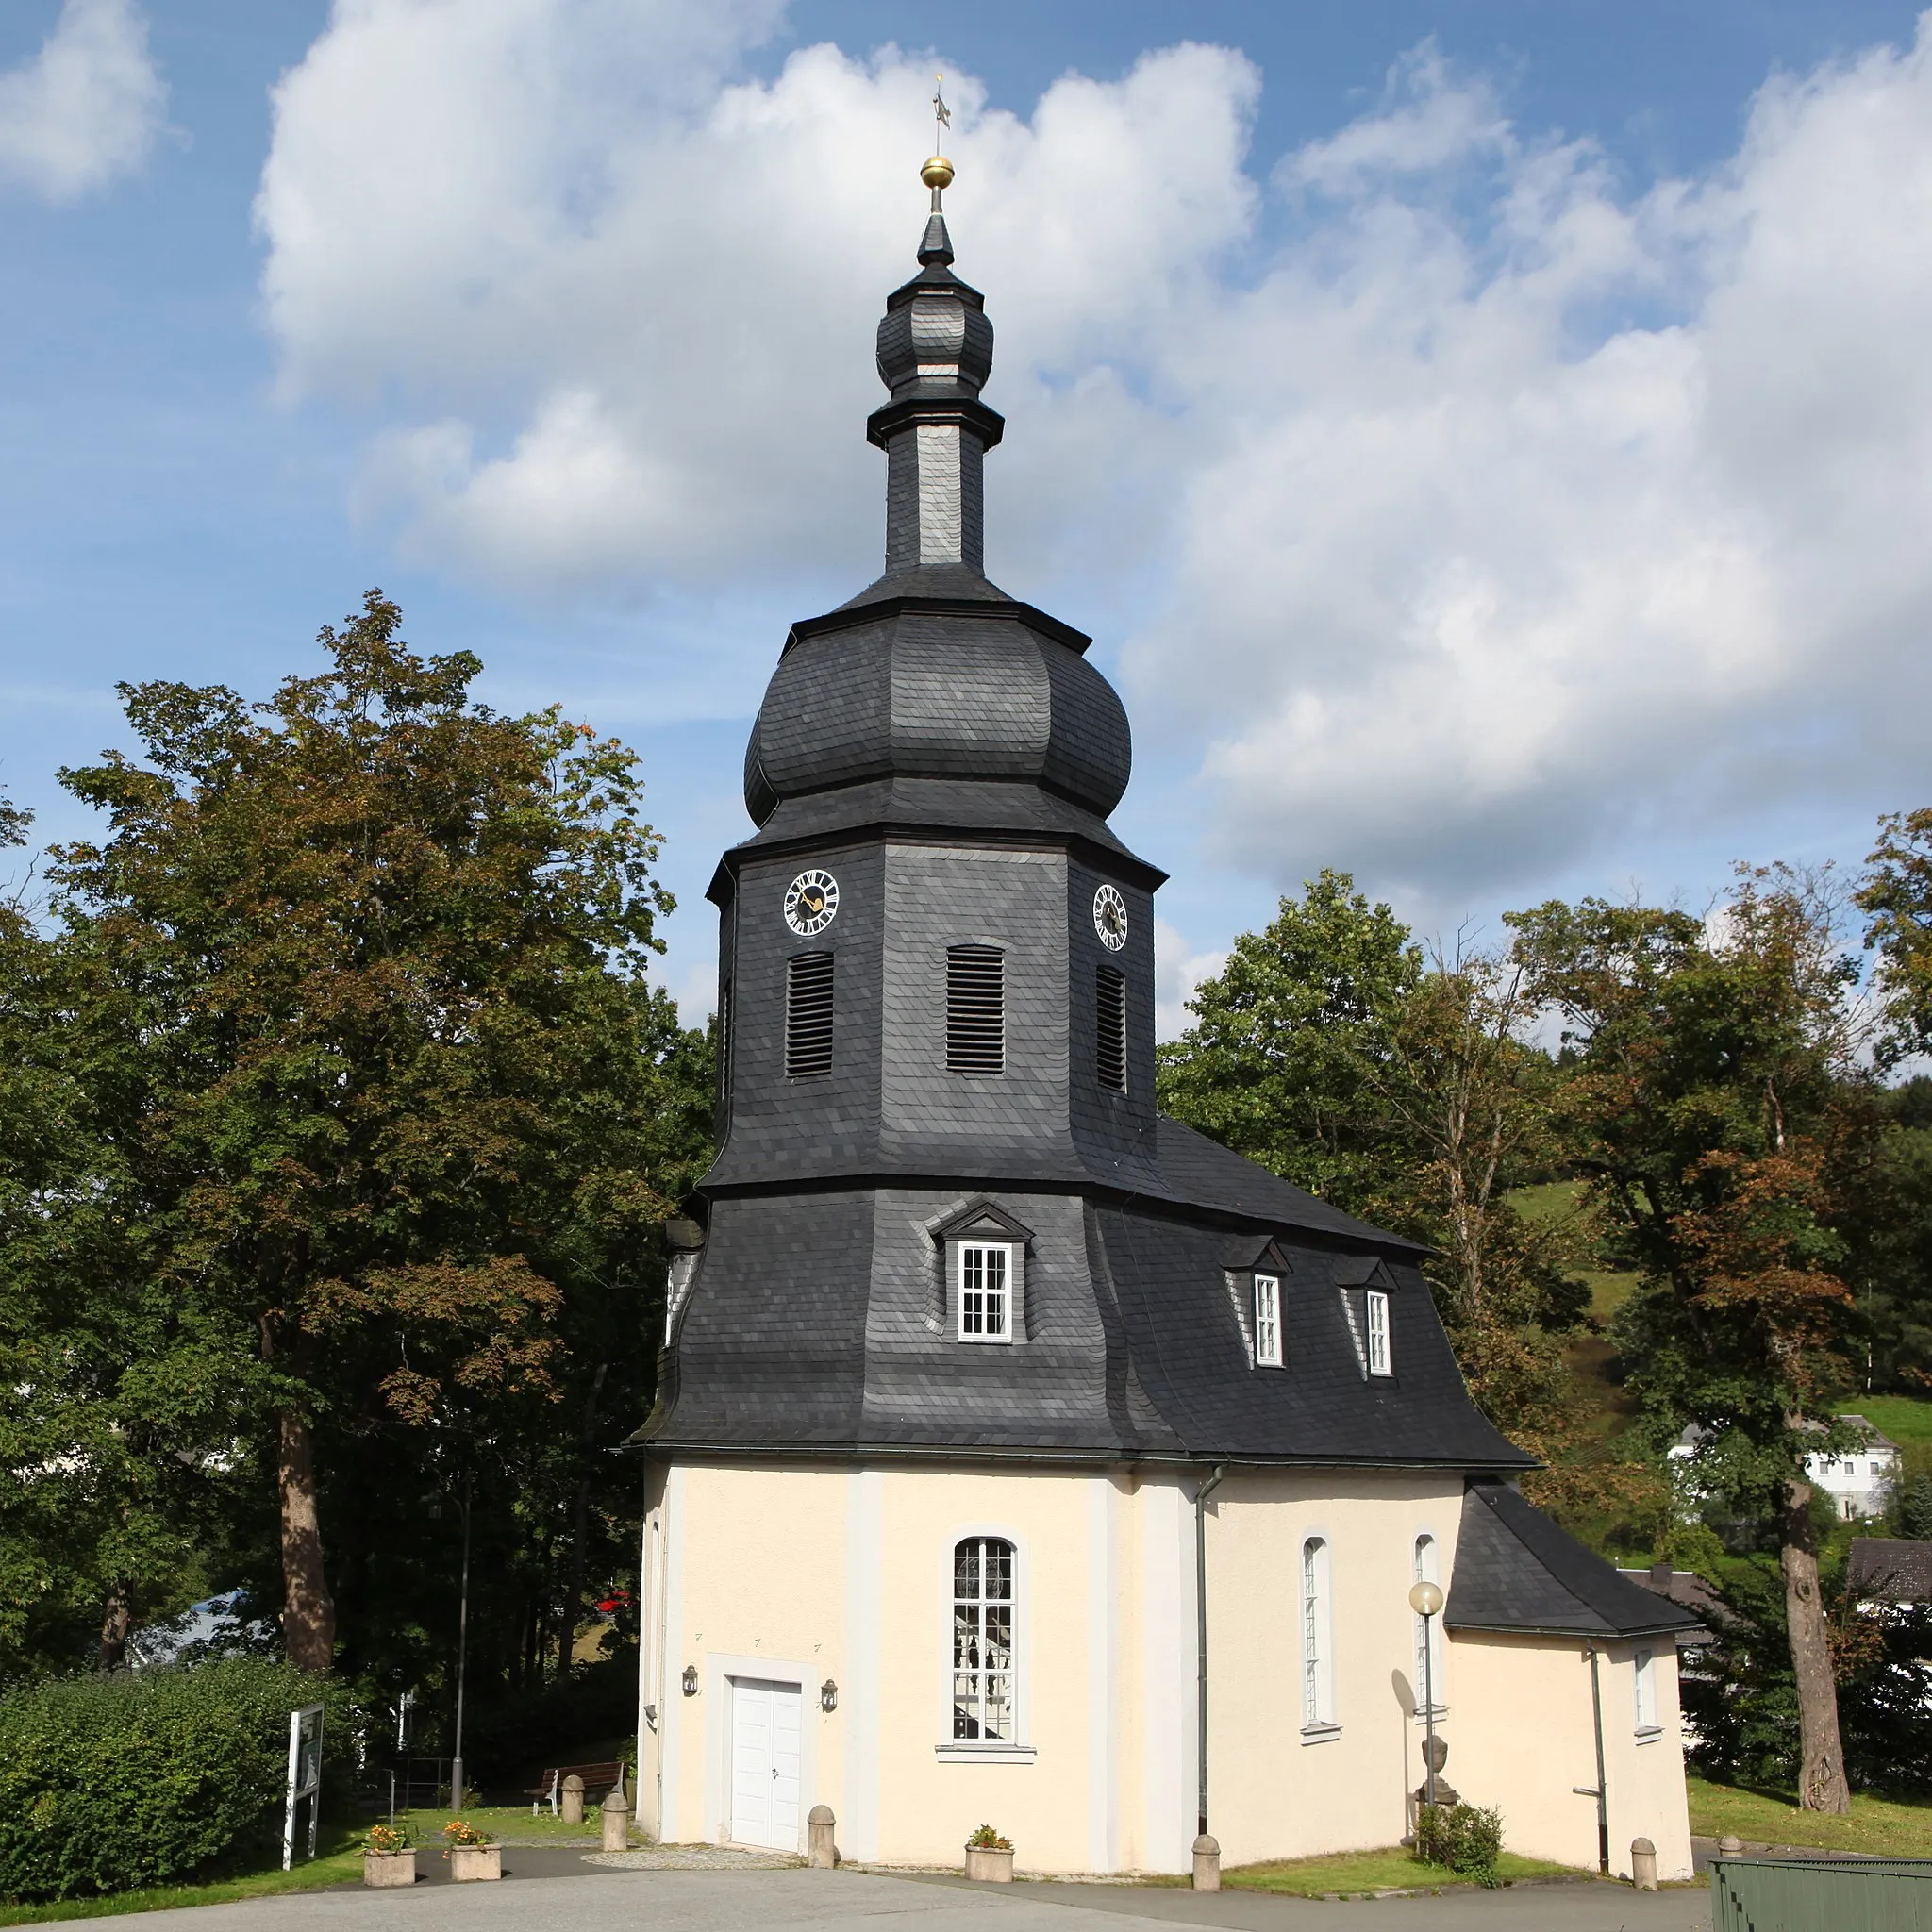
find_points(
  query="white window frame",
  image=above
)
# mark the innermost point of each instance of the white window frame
(1266, 1306)
(983, 1605)
(1643, 1686)
(1000, 1302)
(1376, 1321)
(1315, 1587)
(1426, 1563)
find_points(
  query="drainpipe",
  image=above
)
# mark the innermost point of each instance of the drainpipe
(1602, 1792)
(1201, 1497)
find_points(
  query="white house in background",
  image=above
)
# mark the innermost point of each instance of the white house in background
(1859, 1482)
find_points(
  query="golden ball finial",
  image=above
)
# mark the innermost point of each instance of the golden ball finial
(938, 172)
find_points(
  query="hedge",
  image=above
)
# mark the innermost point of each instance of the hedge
(143, 1778)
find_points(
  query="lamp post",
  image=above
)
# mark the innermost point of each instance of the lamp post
(1425, 1600)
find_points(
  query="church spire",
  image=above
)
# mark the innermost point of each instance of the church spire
(935, 351)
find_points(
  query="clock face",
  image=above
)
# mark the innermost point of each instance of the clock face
(1111, 918)
(811, 900)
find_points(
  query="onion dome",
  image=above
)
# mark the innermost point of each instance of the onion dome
(934, 672)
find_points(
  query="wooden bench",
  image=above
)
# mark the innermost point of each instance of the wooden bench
(599, 1780)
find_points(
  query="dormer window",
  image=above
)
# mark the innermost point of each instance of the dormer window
(1365, 1283)
(985, 1291)
(1266, 1321)
(985, 1258)
(1376, 1309)
(1256, 1268)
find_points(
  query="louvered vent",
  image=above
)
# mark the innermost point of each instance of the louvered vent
(976, 1009)
(1110, 1005)
(808, 1016)
(724, 1047)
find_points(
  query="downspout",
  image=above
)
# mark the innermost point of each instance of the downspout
(1603, 1798)
(1201, 1497)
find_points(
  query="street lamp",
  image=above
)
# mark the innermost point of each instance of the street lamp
(1425, 1600)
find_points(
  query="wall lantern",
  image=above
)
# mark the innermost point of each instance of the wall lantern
(690, 1680)
(828, 1695)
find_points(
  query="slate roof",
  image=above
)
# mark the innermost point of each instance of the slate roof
(1516, 1571)
(1892, 1570)
(830, 1323)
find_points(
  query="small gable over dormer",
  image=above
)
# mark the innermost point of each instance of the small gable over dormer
(1367, 1285)
(985, 1220)
(985, 1253)
(1256, 1268)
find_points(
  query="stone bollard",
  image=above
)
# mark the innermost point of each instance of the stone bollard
(573, 1812)
(616, 1822)
(820, 1853)
(1206, 1863)
(1729, 1847)
(1642, 1864)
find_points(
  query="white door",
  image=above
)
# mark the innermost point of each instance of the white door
(764, 1763)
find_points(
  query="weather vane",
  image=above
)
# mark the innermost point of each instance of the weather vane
(938, 172)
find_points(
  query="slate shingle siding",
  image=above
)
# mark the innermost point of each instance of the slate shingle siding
(951, 757)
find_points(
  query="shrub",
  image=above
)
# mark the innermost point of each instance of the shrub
(107, 1784)
(1467, 1839)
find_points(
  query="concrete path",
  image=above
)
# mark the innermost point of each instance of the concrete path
(800, 1900)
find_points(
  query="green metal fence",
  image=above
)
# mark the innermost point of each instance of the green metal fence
(1822, 1895)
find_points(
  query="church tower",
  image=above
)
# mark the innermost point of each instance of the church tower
(989, 1395)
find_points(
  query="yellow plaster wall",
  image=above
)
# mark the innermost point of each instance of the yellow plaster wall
(763, 1556)
(1537, 1745)
(1272, 1793)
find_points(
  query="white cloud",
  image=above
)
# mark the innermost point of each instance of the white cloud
(1177, 971)
(86, 108)
(1468, 516)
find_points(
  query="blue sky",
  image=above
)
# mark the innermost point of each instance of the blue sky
(1489, 444)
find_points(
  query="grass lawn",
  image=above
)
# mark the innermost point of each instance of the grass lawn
(1890, 1827)
(340, 1863)
(509, 1824)
(1392, 1870)
(1904, 1418)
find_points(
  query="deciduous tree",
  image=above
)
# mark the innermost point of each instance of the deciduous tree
(1710, 1061)
(375, 956)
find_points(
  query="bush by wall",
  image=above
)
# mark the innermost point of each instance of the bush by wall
(1466, 1838)
(107, 1784)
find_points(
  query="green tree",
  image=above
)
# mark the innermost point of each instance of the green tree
(399, 1101)
(1290, 1039)
(1704, 1096)
(1332, 1050)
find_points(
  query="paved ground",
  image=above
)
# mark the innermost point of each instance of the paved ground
(538, 1895)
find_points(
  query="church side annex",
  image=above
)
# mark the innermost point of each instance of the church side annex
(992, 1401)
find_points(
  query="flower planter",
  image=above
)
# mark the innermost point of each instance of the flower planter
(388, 1868)
(471, 1863)
(990, 1867)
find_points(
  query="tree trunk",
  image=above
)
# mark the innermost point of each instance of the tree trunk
(579, 1528)
(117, 1625)
(309, 1613)
(1822, 1759)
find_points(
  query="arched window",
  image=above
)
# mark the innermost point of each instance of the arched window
(1318, 1623)
(1647, 1725)
(983, 1684)
(1428, 1634)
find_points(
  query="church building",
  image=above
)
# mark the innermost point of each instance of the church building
(1021, 1456)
